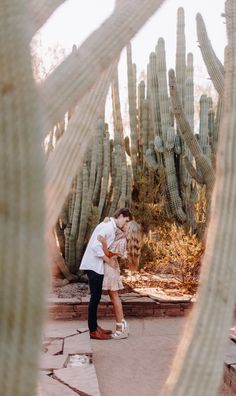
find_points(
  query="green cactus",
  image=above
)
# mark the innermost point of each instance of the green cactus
(105, 174)
(83, 216)
(118, 178)
(213, 64)
(206, 175)
(97, 187)
(168, 135)
(145, 130)
(203, 125)
(132, 113)
(180, 64)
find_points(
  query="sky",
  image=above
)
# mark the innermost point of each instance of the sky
(76, 19)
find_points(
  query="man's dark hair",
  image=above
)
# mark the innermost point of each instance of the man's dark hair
(123, 211)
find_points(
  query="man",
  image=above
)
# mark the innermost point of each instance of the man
(93, 264)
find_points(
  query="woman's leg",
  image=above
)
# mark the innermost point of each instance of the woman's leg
(116, 302)
(122, 330)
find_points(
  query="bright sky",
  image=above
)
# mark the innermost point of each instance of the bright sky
(76, 19)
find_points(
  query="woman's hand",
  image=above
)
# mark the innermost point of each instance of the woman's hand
(101, 238)
(110, 261)
(106, 219)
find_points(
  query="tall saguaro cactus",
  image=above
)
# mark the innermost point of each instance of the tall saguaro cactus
(206, 175)
(132, 114)
(168, 135)
(213, 64)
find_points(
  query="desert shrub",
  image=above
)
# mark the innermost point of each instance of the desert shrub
(171, 250)
(168, 247)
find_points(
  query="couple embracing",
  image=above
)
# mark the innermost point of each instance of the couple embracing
(117, 236)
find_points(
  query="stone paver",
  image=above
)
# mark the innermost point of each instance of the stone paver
(55, 347)
(83, 379)
(65, 329)
(48, 362)
(49, 386)
(78, 344)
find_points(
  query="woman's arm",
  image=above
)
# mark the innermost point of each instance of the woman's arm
(104, 246)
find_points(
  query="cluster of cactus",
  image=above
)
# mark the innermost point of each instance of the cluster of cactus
(161, 138)
(158, 127)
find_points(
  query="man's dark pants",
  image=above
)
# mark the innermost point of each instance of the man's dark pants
(95, 284)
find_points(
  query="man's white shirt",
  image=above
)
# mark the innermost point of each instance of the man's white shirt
(92, 258)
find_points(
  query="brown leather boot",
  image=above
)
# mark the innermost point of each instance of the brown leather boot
(104, 330)
(99, 335)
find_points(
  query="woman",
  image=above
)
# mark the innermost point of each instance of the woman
(127, 244)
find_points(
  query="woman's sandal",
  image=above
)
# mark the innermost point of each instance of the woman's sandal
(123, 332)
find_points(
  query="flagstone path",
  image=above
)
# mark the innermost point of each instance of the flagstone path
(71, 364)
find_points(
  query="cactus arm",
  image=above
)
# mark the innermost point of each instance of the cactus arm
(150, 158)
(192, 171)
(213, 65)
(145, 125)
(105, 175)
(189, 92)
(203, 126)
(132, 112)
(83, 216)
(41, 12)
(122, 199)
(129, 186)
(181, 55)
(118, 179)
(219, 112)
(182, 122)
(171, 178)
(202, 162)
(117, 119)
(155, 105)
(74, 225)
(141, 100)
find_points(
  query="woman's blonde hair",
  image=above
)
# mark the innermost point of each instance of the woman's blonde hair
(134, 237)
